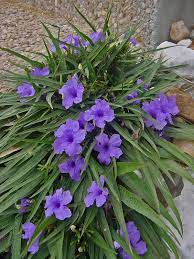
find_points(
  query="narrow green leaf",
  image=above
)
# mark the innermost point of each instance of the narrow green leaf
(16, 241)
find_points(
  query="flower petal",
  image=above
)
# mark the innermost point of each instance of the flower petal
(63, 213)
(89, 200)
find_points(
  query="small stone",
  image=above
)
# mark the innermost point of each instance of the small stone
(192, 34)
(176, 55)
(186, 146)
(185, 103)
(185, 43)
(179, 31)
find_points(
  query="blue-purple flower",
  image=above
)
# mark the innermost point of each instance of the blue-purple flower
(83, 124)
(146, 87)
(73, 40)
(29, 229)
(133, 41)
(40, 71)
(108, 147)
(26, 90)
(61, 46)
(132, 96)
(161, 110)
(96, 194)
(100, 113)
(135, 240)
(69, 137)
(24, 205)
(57, 204)
(72, 92)
(72, 166)
(95, 37)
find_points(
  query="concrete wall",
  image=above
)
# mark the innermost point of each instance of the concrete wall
(169, 11)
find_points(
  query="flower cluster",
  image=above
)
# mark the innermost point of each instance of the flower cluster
(77, 42)
(161, 110)
(29, 229)
(135, 240)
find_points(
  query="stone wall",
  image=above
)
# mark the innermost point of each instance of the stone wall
(125, 13)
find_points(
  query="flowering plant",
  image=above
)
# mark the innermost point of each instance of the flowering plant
(85, 151)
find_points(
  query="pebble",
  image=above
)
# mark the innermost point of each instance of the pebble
(179, 31)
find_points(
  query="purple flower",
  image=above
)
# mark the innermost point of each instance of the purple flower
(72, 166)
(24, 204)
(133, 41)
(100, 113)
(26, 90)
(146, 87)
(72, 92)
(29, 229)
(61, 46)
(69, 136)
(95, 37)
(139, 81)
(108, 148)
(134, 238)
(38, 71)
(83, 124)
(97, 194)
(72, 40)
(133, 95)
(161, 110)
(57, 204)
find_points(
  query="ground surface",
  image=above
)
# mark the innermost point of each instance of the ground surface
(21, 30)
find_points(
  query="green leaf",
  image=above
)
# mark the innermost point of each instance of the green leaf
(127, 167)
(48, 98)
(30, 61)
(85, 18)
(99, 241)
(90, 215)
(135, 203)
(16, 241)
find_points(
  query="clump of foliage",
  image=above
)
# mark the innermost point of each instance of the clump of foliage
(85, 149)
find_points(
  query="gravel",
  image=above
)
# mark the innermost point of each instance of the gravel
(22, 31)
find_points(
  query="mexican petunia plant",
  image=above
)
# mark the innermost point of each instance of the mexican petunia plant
(86, 151)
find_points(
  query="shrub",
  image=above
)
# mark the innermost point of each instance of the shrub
(85, 151)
